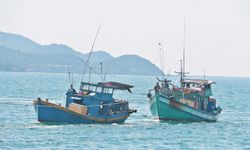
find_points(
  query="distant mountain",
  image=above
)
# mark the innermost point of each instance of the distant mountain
(98, 56)
(18, 53)
(17, 42)
(52, 49)
(11, 60)
(131, 64)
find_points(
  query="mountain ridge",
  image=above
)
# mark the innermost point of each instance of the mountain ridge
(19, 53)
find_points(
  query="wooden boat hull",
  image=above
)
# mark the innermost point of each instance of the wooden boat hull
(163, 108)
(50, 112)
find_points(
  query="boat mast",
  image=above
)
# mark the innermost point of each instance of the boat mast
(183, 70)
(183, 60)
(161, 59)
(72, 78)
(70, 81)
(90, 71)
(101, 70)
(204, 74)
(92, 47)
(184, 41)
(104, 78)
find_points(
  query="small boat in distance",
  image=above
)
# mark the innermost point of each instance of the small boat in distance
(93, 104)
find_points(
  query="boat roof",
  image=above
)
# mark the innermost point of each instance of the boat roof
(111, 84)
(198, 81)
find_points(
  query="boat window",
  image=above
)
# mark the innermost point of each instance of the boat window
(85, 87)
(91, 88)
(99, 89)
(111, 91)
(107, 90)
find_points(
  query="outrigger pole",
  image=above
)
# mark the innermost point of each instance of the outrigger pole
(92, 47)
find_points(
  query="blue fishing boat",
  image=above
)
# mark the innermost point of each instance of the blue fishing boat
(94, 103)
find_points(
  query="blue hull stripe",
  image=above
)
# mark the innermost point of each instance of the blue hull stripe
(75, 117)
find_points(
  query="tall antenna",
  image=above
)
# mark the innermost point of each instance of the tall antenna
(92, 47)
(161, 58)
(160, 55)
(181, 72)
(183, 61)
(184, 45)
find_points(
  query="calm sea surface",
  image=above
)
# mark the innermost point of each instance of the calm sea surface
(19, 128)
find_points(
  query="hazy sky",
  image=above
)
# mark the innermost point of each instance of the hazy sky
(217, 31)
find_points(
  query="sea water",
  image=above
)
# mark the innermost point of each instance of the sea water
(19, 128)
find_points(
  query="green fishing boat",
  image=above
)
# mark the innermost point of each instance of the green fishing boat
(192, 100)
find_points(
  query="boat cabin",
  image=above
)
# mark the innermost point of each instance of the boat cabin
(202, 93)
(189, 83)
(99, 97)
(106, 92)
(198, 85)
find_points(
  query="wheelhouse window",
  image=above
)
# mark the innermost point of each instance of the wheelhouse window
(208, 86)
(85, 87)
(108, 90)
(91, 88)
(98, 89)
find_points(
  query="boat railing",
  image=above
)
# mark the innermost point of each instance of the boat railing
(116, 102)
